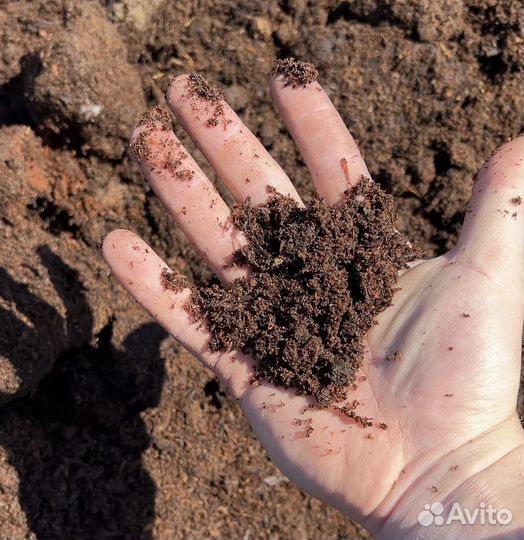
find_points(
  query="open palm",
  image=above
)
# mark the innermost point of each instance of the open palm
(455, 323)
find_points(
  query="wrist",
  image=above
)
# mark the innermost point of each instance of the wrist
(479, 485)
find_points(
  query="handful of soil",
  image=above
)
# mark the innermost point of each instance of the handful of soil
(319, 277)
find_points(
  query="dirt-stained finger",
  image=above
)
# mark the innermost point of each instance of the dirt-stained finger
(330, 152)
(243, 164)
(187, 193)
(166, 295)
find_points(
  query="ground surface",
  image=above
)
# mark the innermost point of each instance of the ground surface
(108, 430)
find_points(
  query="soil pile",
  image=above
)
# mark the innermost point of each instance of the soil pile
(319, 276)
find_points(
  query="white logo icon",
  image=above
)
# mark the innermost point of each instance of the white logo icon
(431, 514)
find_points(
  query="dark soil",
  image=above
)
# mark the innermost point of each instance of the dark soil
(294, 72)
(114, 432)
(319, 276)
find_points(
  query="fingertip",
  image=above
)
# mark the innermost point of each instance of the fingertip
(176, 89)
(506, 165)
(492, 232)
(291, 75)
(279, 84)
(275, 82)
(124, 251)
(277, 88)
(138, 130)
(156, 121)
(285, 95)
(115, 242)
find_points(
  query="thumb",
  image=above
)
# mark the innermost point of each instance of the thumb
(492, 238)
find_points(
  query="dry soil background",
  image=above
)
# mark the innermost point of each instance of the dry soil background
(108, 430)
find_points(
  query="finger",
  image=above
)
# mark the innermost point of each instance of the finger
(493, 232)
(237, 156)
(143, 274)
(188, 194)
(328, 149)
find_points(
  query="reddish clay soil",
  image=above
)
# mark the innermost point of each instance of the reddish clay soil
(107, 429)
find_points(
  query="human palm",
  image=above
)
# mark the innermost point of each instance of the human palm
(455, 322)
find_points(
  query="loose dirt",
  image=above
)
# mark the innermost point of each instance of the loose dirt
(201, 88)
(172, 281)
(148, 121)
(319, 277)
(295, 72)
(127, 436)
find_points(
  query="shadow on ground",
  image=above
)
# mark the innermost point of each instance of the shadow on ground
(77, 442)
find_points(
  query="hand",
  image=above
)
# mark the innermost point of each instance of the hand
(448, 402)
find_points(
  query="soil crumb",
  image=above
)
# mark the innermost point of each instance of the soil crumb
(295, 72)
(149, 120)
(319, 277)
(516, 201)
(308, 428)
(158, 115)
(348, 410)
(395, 357)
(172, 281)
(201, 87)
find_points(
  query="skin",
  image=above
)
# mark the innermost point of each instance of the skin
(449, 401)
